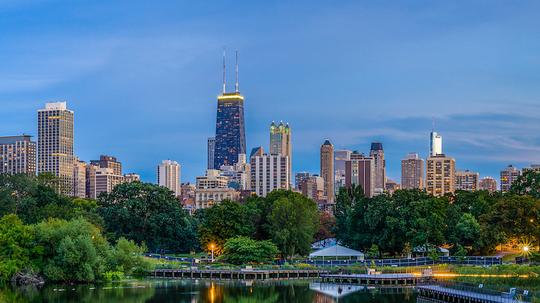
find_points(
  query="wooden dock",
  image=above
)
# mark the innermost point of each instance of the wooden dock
(437, 293)
(247, 274)
(377, 280)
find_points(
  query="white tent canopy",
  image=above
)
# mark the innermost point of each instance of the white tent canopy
(336, 251)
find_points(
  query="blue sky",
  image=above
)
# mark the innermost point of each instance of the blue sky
(143, 76)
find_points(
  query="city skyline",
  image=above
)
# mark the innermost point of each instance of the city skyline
(498, 127)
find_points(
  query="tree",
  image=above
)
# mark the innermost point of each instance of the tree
(527, 184)
(127, 257)
(466, 231)
(73, 251)
(327, 224)
(294, 220)
(17, 247)
(222, 221)
(243, 250)
(148, 213)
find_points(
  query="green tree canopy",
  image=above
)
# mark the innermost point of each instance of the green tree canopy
(527, 184)
(148, 213)
(243, 250)
(222, 221)
(294, 220)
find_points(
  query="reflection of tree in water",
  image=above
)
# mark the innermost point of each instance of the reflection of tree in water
(77, 293)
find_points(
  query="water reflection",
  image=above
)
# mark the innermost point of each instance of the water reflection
(198, 291)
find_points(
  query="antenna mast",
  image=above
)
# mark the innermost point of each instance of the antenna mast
(224, 77)
(236, 71)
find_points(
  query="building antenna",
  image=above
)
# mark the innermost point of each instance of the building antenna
(224, 72)
(236, 68)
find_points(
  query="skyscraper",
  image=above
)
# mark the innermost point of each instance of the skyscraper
(327, 170)
(55, 144)
(377, 153)
(489, 184)
(467, 180)
(230, 129)
(79, 178)
(435, 144)
(211, 148)
(280, 141)
(412, 172)
(17, 155)
(168, 175)
(360, 171)
(508, 176)
(269, 172)
(440, 175)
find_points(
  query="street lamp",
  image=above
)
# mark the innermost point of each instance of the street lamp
(526, 249)
(212, 246)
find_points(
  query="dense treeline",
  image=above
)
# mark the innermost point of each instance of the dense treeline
(466, 222)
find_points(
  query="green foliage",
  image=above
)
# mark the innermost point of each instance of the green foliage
(113, 276)
(127, 257)
(147, 213)
(373, 251)
(17, 248)
(242, 250)
(294, 220)
(74, 251)
(527, 184)
(225, 220)
(477, 221)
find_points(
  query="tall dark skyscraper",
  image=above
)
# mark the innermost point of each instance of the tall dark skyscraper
(230, 129)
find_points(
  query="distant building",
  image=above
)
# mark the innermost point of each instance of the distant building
(533, 167)
(488, 183)
(168, 175)
(340, 157)
(211, 148)
(280, 142)
(55, 144)
(327, 170)
(269, 173)
(377, 153)
(79, 178)
(212, 179)
(467, 180)
(440, 175)
(412, 172)
(435, 144)
(238, 174)
(230, 128)
(17, 155)
(132, 177)
(313, 188)
(392, 186)
(108, 162)
(508, 176)
(91, 170)
(106, 180)
(299, 178)
(360, 171)
(205, 198)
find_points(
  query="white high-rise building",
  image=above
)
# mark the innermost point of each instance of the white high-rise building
(435, 146)
(55, 144)
(269, 173)
(168, 175)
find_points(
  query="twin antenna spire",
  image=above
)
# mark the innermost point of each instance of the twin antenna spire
(225, 73)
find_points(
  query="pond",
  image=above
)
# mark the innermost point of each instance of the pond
(194, 291)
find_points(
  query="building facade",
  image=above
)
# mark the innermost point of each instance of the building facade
(377, 153)
(109, 162)
(230, 129)
(340, 157)
(360, 171)
(79, 178)
(168, 175)
(467, 180)
(508, 176)
(106, 180)
(435, 144)
(55, 144)
(280, 141)
(313, 188)
(327, 170)
(132, 177)
(17, 155)
(211, 146)
(412, 172)
(489, 184)
(440, 175)
(269, 173)
(299, 178)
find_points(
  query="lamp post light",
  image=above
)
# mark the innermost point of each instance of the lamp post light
(212, 246)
